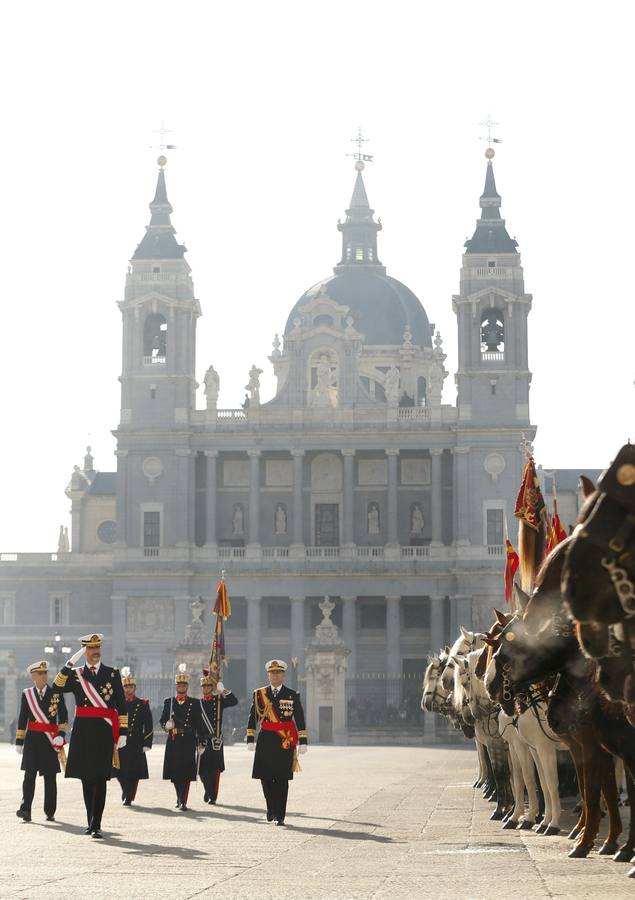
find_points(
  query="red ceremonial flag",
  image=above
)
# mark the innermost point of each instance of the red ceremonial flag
(511, 566)
(530, 502)
(555, 532)
(222, 611)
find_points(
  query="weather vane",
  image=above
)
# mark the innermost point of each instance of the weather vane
(489, 124)
(359, 157)
(162, 131)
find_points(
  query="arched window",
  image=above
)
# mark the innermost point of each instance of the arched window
(492, 334)
(155, 339)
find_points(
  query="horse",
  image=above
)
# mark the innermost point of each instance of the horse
(544, 643)
(598, 577)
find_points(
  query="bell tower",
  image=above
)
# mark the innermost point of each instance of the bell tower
(492, 307)
(159, 326)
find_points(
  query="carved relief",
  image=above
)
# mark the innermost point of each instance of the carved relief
(150, 616)
(326, 473)
(415, 471)
(278, 472)
(372, 471)
(236, 473)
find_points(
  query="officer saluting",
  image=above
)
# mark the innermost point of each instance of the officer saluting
(39, 737)
(133, 765)
(278, 711)
(100, 725)
(212, 762)
(181, 718)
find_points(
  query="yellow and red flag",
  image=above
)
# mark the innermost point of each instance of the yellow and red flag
(222, 611)
(529, 510)
(555, 532)
(511, 566)
(530, 502)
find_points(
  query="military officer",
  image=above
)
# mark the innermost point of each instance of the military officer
(181, 718)
(133, 765)
(100, 726)
(215, 699)
(278, 711)
(42, 725)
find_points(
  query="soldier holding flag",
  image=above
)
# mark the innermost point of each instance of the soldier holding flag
(215, 699)
(40, 740)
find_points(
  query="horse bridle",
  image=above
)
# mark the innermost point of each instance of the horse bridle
(616, 559)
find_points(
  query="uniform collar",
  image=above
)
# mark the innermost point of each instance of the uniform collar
(97, 668)
(131, 699)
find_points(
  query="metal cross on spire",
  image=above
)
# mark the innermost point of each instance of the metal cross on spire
(490, 125)
(360, 157)
(162, 131)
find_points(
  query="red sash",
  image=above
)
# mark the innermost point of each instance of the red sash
(286, 730)
(49, 727)
(100, 712)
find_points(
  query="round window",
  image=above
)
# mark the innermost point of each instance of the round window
(107, 532)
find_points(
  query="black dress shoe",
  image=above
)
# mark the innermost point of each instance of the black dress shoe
(50, 818)
(280, 822)
(183, 807)
(212, 802)
(127, 803)
(206, 797)
(177, 805)
(25, 816)
(270, 817)
(97, 834)
(89, 830)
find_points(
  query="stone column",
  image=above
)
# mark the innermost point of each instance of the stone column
(210, 507)
(463, 611)
(118, 649)
(393, 634)
(392, 545)
(182, 507)
(253, 547)
(461, 495)
(297, 631)
(348, 498)
(122, 500)
(349, 633)
(255, 676)
(437, 502)
(297, 543)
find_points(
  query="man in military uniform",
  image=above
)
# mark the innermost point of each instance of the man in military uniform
(181, 718)
(216, 698)
(100, 726)
(39, 739)
(278, 711)
(133, 765)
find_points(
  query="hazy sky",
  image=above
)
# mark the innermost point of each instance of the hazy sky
(263, 99)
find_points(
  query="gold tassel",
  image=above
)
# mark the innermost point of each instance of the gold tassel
(61, 753)
(115, 757)
(296, 761)
(531, 548)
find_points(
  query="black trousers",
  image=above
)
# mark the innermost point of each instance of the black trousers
(211, 781)
(182, 789)
(50, 792)
(94, 801)
(128, 788)
(276, 791)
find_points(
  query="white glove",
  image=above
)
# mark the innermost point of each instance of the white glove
(58, 741)
(146, 749)
(18, 750)
(220, 687)
(251, 746)
(302, 748)
(75, 657)
(169, 725)
(122, 741)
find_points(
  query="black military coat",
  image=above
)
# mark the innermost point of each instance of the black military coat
(90, 753)
(38, 754)
(213, 757)
(132, 758)
(179, 762)
(271, 759)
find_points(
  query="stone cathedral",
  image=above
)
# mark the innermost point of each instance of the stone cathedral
(354, 482)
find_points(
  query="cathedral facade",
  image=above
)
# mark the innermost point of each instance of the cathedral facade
(355, 481)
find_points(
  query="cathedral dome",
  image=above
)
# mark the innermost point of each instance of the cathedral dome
(382, 308)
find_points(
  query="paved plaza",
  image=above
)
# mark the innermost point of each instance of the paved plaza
(363, 822)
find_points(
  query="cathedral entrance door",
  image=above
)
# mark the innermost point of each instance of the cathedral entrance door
(327, 525)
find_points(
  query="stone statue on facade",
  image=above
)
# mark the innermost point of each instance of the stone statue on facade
(212, 387)
(373, 519)
(62, 540)
(323, 392)
(391, 386)
(238, 520)
(253, 386)
(194, 632)
(416, 520)
(281, 519)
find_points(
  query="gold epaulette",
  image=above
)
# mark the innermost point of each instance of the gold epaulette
(19, 735)
(251, 732)
(63, 726)
(123, 721)
(60, 680)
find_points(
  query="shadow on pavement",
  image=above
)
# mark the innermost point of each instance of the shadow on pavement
(298, 815)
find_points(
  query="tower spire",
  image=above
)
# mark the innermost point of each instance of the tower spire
(491, 234)
(359, 229)
(159, 241)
